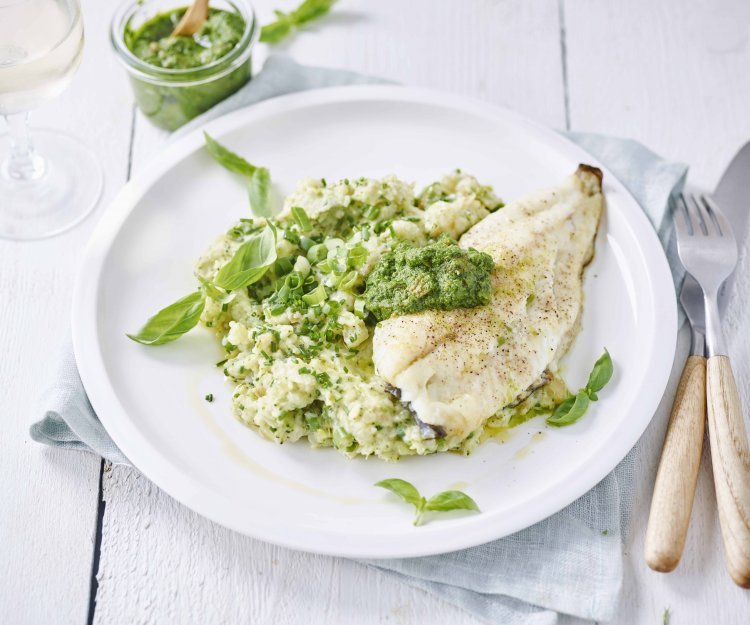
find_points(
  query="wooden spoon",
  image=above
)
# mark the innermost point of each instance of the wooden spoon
(193, 19)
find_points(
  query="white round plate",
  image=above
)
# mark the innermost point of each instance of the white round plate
(151, 399)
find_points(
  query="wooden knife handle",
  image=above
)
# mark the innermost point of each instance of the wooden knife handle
(674, 489)
(731, 464)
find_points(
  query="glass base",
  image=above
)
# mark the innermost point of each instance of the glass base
(60, 198)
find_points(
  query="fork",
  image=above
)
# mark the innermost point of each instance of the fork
(708, 250)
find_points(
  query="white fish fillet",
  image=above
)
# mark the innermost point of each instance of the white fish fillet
(458, 368)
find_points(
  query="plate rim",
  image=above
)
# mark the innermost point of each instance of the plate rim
(206, 502)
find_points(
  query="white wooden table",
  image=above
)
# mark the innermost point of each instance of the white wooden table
(72, 528)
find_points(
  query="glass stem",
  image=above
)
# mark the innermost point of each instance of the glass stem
(23, 164)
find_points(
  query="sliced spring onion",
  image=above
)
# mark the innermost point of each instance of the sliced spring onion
(283, 266)
(333, 243)
(306, 242)
(359, 308)
(357, 256)
(317, 253)
(278, 309)
(348, 281)
(294, 281)
(372, 212)
(315, 297)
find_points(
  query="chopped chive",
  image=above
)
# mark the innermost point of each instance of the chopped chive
(209, 398)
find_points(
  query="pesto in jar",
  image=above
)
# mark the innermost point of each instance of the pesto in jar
(154, 44)
(186, 76)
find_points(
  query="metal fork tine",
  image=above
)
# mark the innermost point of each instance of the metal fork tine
(694, 214)
(712, 226)
(681, 218)
(724, 225)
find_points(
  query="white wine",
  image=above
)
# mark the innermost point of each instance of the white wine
(41, 44)
(48, 180)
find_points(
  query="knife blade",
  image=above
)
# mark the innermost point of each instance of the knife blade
(733, 197)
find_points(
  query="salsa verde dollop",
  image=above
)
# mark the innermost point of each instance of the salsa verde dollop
(438, 276)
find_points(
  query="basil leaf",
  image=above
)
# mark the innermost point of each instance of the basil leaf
(253, 258)
(600, 374)
(230, 160)
(451, 500)
(570, 410)
(172, 322)
(258, 179)
(563, 408)
(301, 218)
(259, 192)
(403, 489)
(276, 31)
(306, 12)
(215, 293)
(311, 10)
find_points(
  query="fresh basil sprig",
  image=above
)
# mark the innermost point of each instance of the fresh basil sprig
(258, 179)
(442, 502)
(306, 12)
(172, 322)
(215, 293)
(575, 406)
(253, 258)
(599, 376)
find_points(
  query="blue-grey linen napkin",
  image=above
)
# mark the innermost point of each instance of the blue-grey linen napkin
(568, 564)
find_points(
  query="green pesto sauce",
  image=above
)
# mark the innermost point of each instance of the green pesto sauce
(438, 276)
(153, 42)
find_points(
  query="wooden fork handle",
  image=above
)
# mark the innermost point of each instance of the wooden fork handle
(731, 465)
(674, 489)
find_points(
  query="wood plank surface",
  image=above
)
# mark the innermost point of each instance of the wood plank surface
(48, 516)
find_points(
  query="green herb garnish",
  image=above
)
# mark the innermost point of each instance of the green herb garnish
(215, 293)
(228, 159)
(665, 617)
(306, 12)
(442, 502)
(209, 398)
(575, 406)
(258, 179)
(172, 322)
(253, 258)
(259, 192)
(316, 296)
(300, 217)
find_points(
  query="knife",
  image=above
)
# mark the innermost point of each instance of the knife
(674, 489)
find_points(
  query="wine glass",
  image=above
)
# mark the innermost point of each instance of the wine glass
(48, 181)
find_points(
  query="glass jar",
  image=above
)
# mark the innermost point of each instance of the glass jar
(172, 97)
